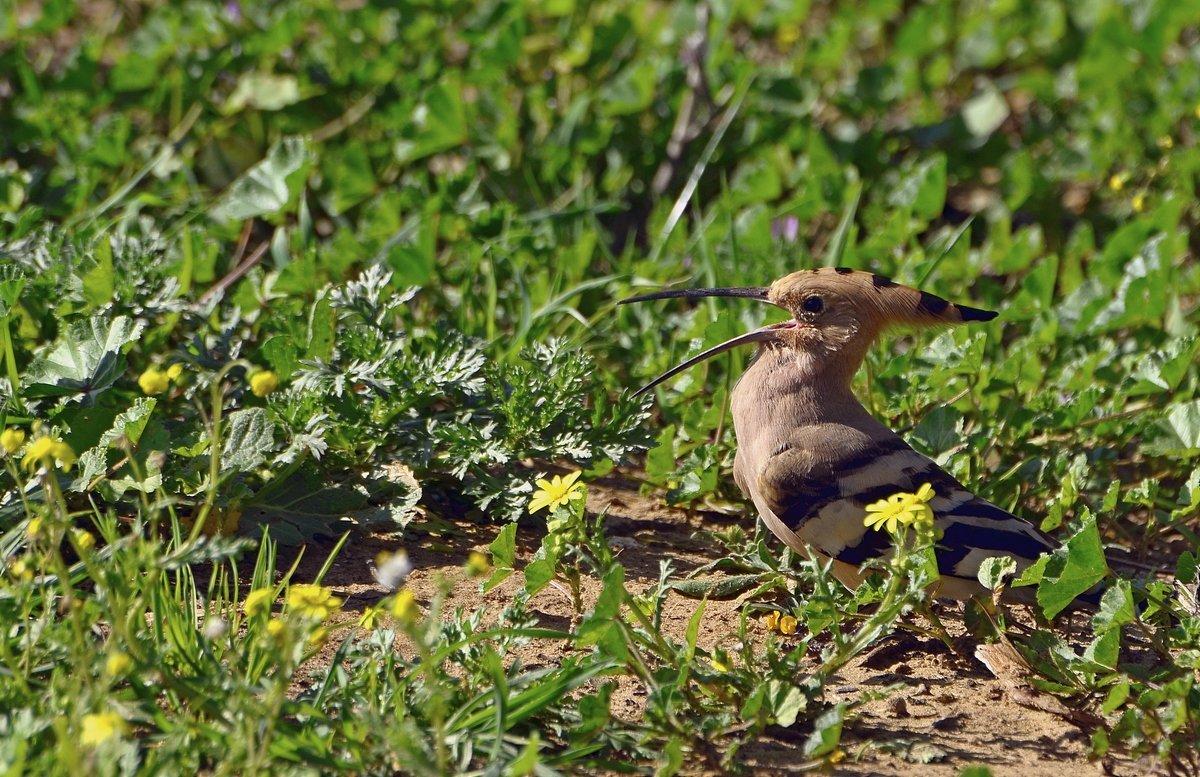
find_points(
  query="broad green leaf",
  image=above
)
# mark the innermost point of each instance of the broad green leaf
(268, 186)
(1179, 433)
(922, 188)
(538, 574)
(504, 547)
(249, 440)
(787, 701)
(85, 361)
(1073, 569)
(438, 124)
(827, 732)
(600, 627)
(129, 424)
(379, 500)
(1116, 608)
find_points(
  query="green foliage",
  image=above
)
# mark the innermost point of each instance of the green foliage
(418, 219)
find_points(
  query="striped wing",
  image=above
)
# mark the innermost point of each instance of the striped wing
(825, 502)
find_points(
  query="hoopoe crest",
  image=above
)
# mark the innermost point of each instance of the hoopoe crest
(811, 457)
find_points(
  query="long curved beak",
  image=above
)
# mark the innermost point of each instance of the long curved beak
(764, 334)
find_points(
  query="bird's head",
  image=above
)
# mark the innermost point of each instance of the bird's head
(836, 314)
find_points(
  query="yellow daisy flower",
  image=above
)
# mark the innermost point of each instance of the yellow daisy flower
(46, 451)
(901, 509)
(11, 440)
(556, 492)
(312, 601)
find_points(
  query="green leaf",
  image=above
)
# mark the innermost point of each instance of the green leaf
(249, 439)
(993, 571)
(1105, 649)
(786, 700)
(922, 189)
(827, 732)
(1073, 569)
(1116, 607)
(1179, 432)
(129, 424)
(504, 547)
(1116, 697)
(439, 124)
(528, 759)
(1185, 567)
(538, 574)
(85, 361)
(600, 627)
(716, 587)
(268, 186)
(379, 500)
(939, 430)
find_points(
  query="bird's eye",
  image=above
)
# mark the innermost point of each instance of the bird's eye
(812, 304)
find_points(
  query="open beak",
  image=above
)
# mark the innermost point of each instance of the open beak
(765, 334)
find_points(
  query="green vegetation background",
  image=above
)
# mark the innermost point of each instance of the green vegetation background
(419, 216)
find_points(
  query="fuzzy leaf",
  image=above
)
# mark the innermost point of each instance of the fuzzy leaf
(249, 439)
(85, 361)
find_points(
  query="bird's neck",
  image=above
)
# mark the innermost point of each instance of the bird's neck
(818, 385)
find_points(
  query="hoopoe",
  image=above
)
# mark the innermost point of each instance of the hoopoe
(811, 457)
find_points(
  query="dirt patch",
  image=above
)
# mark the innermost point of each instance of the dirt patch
(949, 712)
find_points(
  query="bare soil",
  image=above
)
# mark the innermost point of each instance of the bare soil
(951, 712)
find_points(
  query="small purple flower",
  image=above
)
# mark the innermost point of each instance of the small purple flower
(786, 229)
(233, 9)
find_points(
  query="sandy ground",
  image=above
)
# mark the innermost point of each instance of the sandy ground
(951, 712)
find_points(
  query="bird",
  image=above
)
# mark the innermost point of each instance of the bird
(809, 455)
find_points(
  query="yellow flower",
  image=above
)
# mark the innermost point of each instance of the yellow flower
(21, 570)
(11, 440)
(263, 382)
(1166, 142)
(318, 637)
(154, 381)
(258, 600)
(34, 528)
(1138, 203)
(1116, 182)
(312, 601)
(84, 539)
(478, 564)
(275, 628)
(118, 663)
(902, 509)
(174, 371)
(772, 621)
(404, 607)
(45, 451)
(369, 618)
(100, 727)
(788, 624)
(555, 492)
